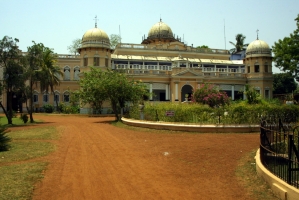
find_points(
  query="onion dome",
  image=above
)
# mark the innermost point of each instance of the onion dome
(258, 47)
(161, 32)
(95, 37)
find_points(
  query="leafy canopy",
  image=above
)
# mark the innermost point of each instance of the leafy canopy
(286, 52)
(283, 83)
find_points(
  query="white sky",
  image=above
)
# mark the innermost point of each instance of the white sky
(56, 23)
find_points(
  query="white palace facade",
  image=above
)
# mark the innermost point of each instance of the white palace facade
(168, 67)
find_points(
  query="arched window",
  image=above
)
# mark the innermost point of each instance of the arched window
(46, 97)
(56, 97)
(66, 97)
(76, 73)
(66, 72)
(35, 97)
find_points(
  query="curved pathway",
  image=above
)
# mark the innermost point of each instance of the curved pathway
(95, 160)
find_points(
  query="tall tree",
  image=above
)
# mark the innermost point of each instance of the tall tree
(92, 91)
(11, 61)
(114, 40)
(286, 52)
(34, 59)
(50, 72)
(76, 43)
(239, 45)
(283, 83)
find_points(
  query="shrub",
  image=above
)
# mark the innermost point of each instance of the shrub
(24, 118)
(4, 139)
(48, 108)
(210, 95)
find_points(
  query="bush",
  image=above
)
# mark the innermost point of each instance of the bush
(4, 139)
(48, 108)
(68, 109)
(235, 113)
(210, 95)
(24, 118)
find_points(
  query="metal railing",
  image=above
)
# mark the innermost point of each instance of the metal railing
(279, 145)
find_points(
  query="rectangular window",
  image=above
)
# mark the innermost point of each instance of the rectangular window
(256, 68)
(266, 68)
(106, 62)
(248, 69)
(267, 94)
(85, 62)
(35, 98)
(96, 61)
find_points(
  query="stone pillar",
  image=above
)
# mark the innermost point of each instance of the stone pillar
(233, 92)
(151, 91)
(167, 92)
(244, 96)
(176, 92)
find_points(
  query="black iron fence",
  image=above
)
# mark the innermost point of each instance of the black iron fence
(279, 145)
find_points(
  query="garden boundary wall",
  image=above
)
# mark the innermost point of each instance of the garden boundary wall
(191, 127)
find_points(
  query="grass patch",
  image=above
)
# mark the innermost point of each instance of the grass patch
(16, 121)
(256, 187)
(25, 150)
(17, 181)
(44, 133)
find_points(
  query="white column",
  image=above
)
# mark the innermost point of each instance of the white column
(166, 92)
(151, 91)
(233, 92)
(244, 96)
(176, 92)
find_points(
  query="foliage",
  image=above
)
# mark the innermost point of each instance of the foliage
(252, 96)
(68, 109)
(24, 117)
(283, 83)
(97, 86)
(48, 108)
(235, 113)
(239, 45)
(92, 90)
(4, 139)
(210, 95)
(286, 52)
(114, 40)
(76, 43)
(12, 63)
(202, 47)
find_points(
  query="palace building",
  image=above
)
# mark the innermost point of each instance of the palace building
(170, 69)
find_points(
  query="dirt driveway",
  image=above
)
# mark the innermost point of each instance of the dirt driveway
(95, 160)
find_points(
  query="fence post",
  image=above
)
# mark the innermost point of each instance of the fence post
(290, 147)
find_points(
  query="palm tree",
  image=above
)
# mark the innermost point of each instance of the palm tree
(239, 45)
(50, 73)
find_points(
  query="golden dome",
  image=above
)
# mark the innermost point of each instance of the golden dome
(160, 30)
(258, 47)
(95, 37)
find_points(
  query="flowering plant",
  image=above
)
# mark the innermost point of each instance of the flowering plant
(210, 95)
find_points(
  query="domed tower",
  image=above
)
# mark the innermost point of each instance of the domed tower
(258, 64)
(159, 33)
(95, 48)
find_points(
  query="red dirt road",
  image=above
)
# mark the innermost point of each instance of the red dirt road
(95, 160)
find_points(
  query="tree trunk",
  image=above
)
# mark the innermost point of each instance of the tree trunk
(9, 109)
(6, 114)
(31, 102)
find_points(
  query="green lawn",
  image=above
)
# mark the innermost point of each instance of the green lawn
(18, 173)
